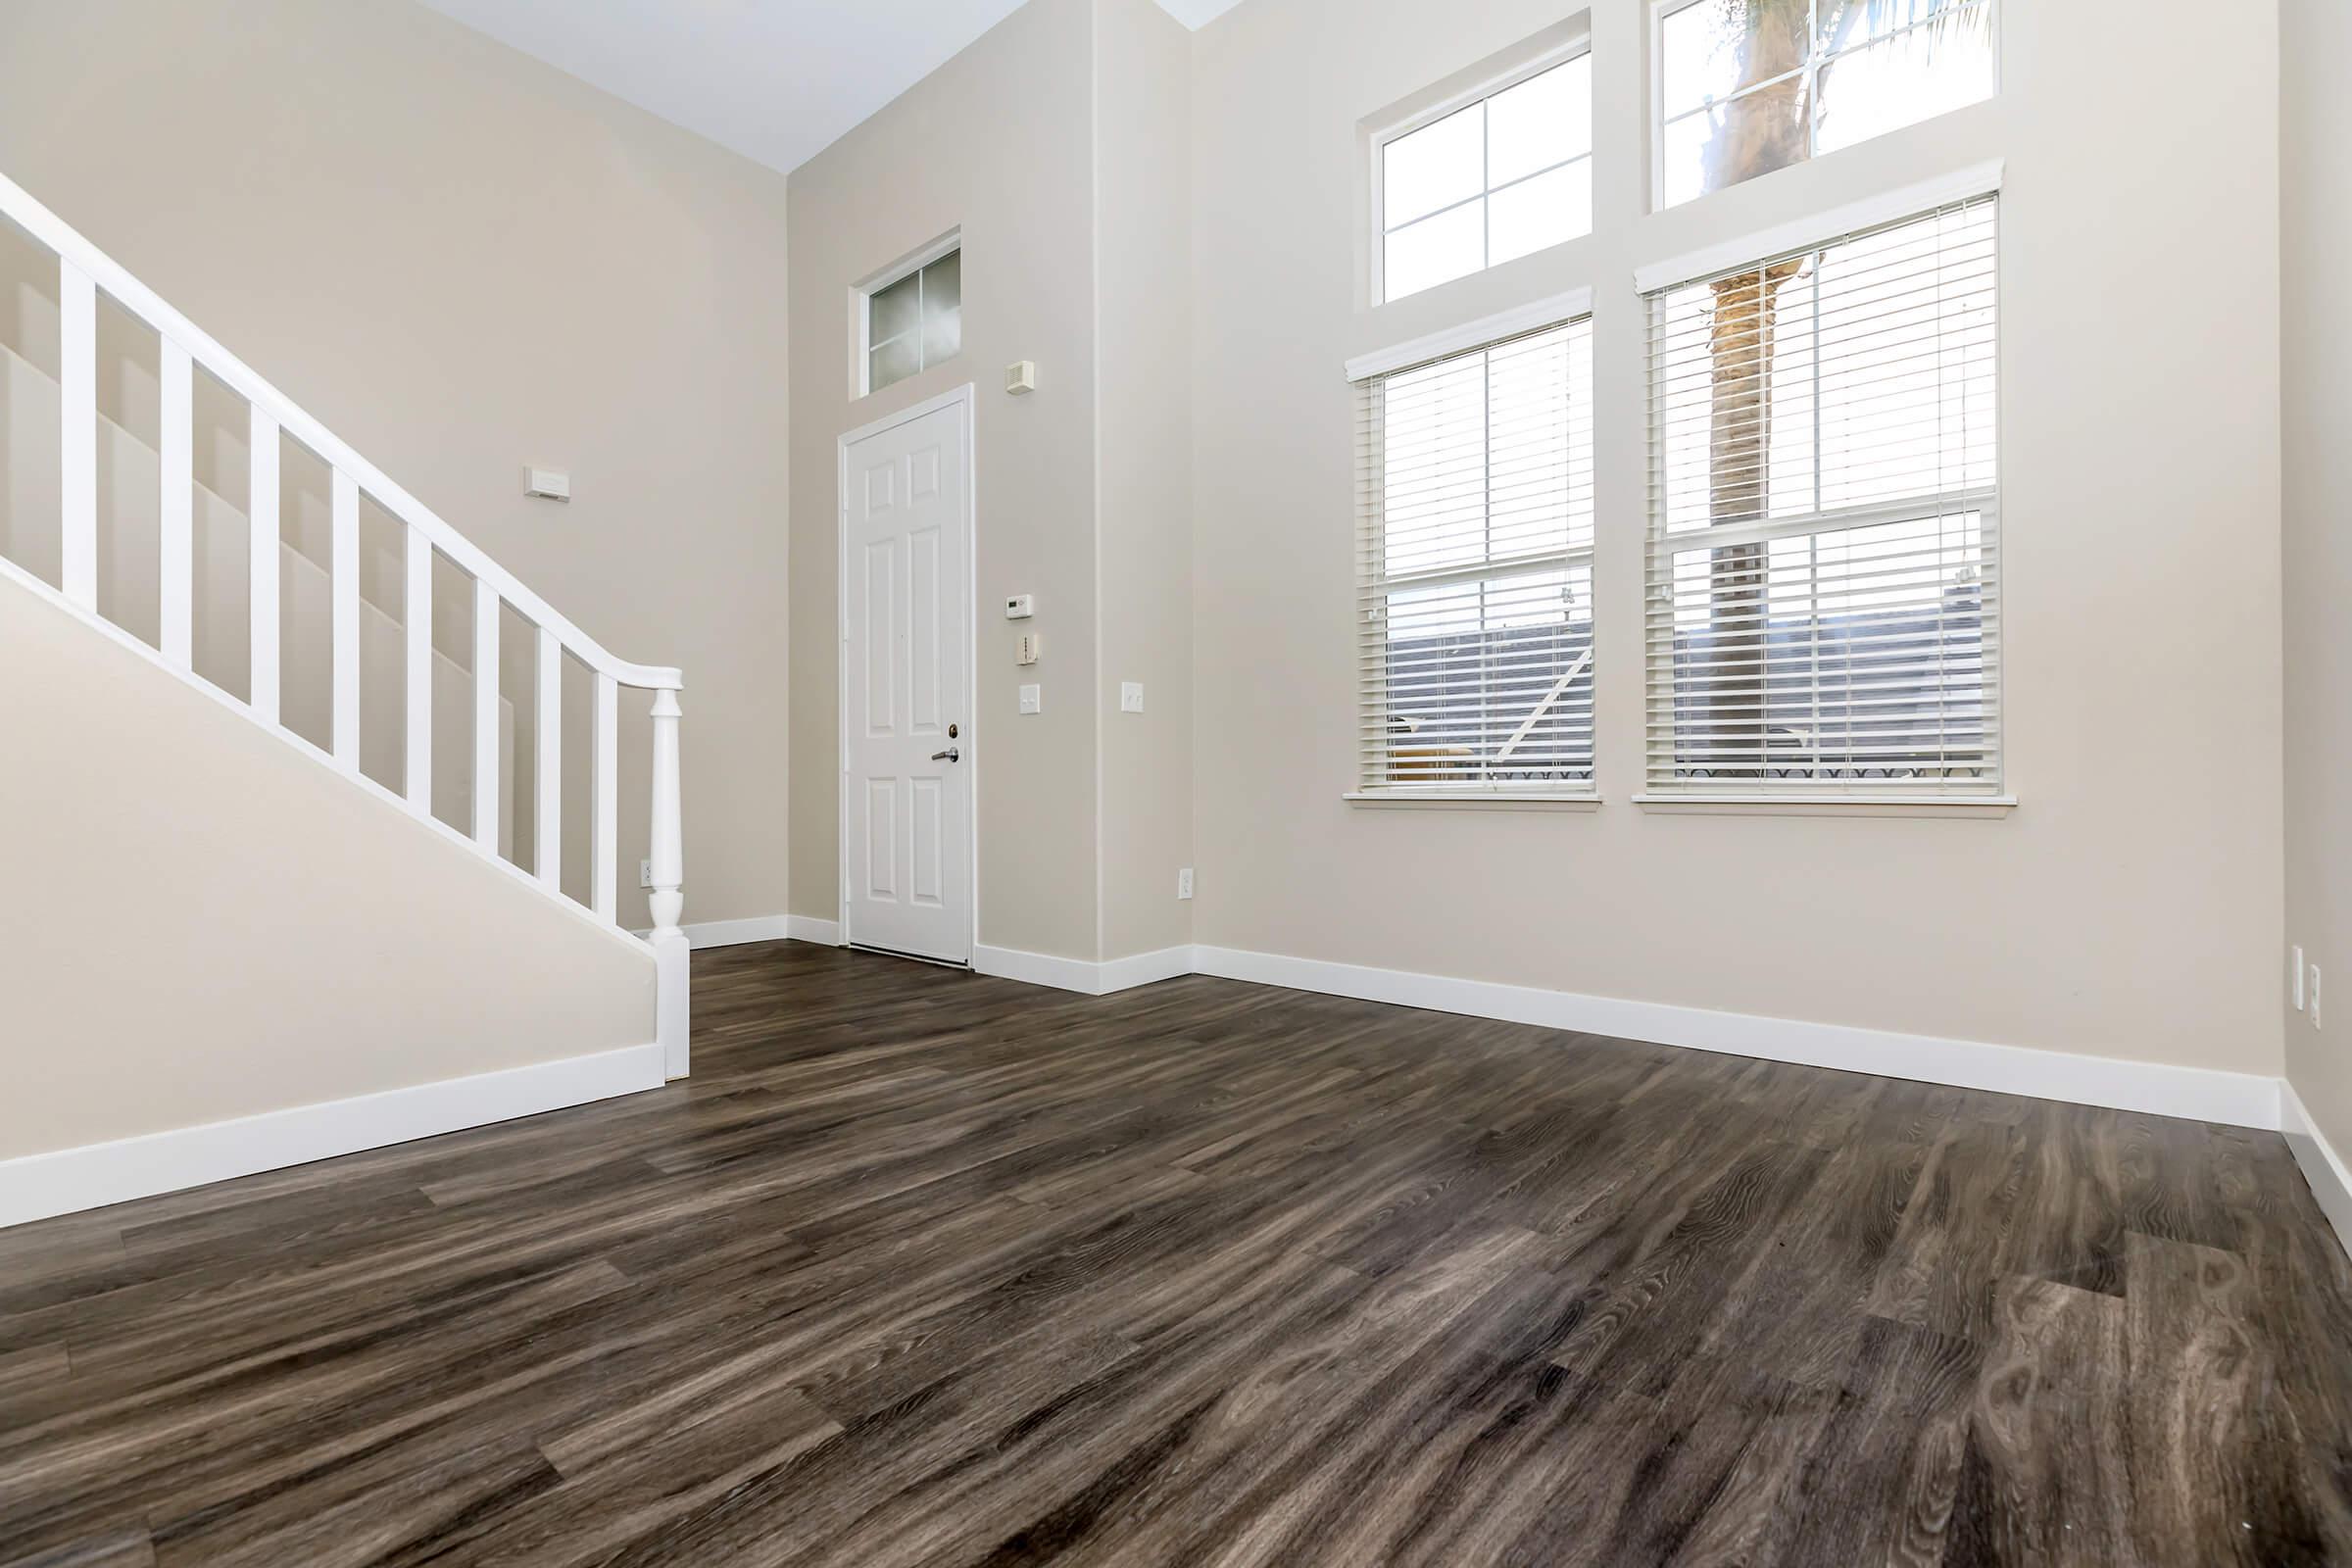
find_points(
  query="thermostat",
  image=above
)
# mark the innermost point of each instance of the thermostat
(1020, 607)
(547, 484)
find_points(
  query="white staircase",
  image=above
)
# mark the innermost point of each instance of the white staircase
(368, 652)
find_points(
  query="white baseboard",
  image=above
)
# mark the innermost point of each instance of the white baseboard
(1143, 969)
(68, 1180)
(1082, 975)
(2244, 1100)
(761, 928)
(809, 928)
(1038, 969)
(733, 933)
(2331, 1183)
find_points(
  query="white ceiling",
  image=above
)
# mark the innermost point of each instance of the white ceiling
(777, 80)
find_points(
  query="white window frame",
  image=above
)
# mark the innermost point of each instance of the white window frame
(1990, 794)
(1811, 70)
(1487, 332)
(861, 309)
(1558, 54)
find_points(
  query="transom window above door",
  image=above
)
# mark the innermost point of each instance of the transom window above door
(914, 319)
(1474, 186)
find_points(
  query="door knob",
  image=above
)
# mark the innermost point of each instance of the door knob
(952, 755)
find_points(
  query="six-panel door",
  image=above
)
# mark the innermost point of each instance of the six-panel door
(907, 860)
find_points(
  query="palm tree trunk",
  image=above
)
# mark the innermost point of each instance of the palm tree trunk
(1740, 344)
(1767, 128)
(1763, 130)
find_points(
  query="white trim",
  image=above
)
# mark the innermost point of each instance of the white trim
(1818, 228)
(1476, 799)
(1809, 72)
(2244, 1100)
(1923, 803)
(10, 572)
(912, 261)
(1554, 46)
(1556, 311)
(1144, 969)
(2200, 1093)
(812, 928)
(734, 933)
(143, 302)
(2323, 1168)
(1083, 975)
(761, 928)
(1038, 969)
(69, 1180)
(861, 309)
(1577, 43)
(967, 396)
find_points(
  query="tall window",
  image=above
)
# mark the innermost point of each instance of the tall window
(1476, 477)
(915, 321)
(1484, 185)
(1824, 563)
(1748, 87)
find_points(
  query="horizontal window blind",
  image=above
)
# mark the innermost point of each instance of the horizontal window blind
(1824, 593)
(1475, 474)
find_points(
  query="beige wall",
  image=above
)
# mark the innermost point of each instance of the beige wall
(577, 283)
(998, 140)
(464, 261)
(2316, 149)
(130, 572)
(2130, 907)
(259, 936)
(1142, 189)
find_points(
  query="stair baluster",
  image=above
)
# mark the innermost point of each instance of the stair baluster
(84, 272)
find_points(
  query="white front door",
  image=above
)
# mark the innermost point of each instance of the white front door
(907, 794)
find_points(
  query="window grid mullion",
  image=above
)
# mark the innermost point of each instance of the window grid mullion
(1494, 669)
(1914, 646)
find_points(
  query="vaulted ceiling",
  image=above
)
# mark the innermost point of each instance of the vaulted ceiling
(776, 81)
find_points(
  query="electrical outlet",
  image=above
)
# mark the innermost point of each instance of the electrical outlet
(1183, 883)
(2315, 996)
(645, 873)
(2294, 982)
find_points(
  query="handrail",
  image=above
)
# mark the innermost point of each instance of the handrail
(82, 271)
(57, 235)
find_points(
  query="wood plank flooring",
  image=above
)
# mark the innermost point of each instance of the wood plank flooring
(927, 1269)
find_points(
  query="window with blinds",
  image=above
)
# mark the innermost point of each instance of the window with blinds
(1476, 479)
(1824, 593)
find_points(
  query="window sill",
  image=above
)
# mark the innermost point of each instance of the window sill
(1954, 805)
(1474, 801)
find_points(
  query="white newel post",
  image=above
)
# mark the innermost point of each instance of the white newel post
(669, 901)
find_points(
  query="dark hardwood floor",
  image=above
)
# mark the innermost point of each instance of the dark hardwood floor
(926, 1269)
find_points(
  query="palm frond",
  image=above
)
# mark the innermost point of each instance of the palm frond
(1943, 18)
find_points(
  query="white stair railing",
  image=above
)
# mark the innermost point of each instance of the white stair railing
(83, 272)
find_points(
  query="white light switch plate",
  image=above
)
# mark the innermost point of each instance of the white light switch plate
(1031, 700)
(1131, 697)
